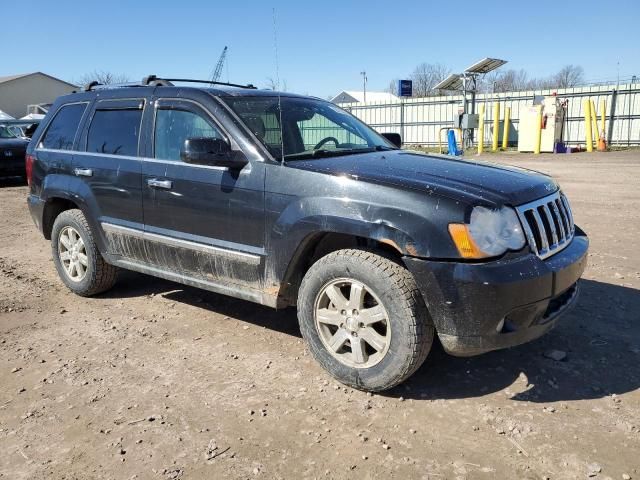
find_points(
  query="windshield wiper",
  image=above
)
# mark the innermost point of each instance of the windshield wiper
(384, 148)
(324, 153)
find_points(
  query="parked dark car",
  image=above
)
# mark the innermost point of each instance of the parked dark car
(13, 149)
(287, 200)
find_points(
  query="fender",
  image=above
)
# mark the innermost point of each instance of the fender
(74, 189)
(411, 233)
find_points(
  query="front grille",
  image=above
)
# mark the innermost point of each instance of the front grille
(548, 224)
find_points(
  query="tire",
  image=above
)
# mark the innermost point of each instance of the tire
(98, 276)
(407, 330)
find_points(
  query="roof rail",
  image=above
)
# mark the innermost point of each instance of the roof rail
(89, 86)
(95, 85)
(154, 81)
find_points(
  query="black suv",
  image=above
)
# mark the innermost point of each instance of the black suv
(284, 200)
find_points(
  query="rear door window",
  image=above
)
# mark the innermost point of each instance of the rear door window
(62, 131)
(115, 132)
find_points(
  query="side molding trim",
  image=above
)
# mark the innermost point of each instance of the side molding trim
(244, 257)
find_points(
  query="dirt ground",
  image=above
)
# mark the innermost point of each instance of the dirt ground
(160, 381)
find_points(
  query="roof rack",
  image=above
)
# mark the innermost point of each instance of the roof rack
(154, 81)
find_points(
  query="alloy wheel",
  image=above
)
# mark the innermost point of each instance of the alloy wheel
(352, 323)
(73, 254)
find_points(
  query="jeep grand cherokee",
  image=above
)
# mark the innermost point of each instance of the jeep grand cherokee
(287, 200)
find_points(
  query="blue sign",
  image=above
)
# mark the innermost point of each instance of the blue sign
(405, 88)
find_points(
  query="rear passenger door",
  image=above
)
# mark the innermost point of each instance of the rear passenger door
(109, 164)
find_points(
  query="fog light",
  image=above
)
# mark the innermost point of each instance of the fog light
(500, 326)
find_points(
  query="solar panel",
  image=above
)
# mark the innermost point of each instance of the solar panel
(485, 66)
(452, 82)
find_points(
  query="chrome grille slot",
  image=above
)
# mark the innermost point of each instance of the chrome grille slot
(547, 224)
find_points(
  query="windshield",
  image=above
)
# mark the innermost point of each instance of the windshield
(5, 132)
(310, 128)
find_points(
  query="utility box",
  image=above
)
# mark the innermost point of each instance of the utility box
(553, 113)
(465, 120)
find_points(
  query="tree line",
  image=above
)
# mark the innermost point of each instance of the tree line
(427, 75)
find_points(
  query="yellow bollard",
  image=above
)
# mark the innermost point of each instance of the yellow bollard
(594, 120)
(505, 128)
(587, 125)
(496, 126)
(602, 141)
(538, 131)
(481, 129)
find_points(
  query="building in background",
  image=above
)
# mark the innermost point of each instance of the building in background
(30, 93)
(353, 96)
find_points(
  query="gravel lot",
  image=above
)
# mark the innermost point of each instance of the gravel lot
(156, 380)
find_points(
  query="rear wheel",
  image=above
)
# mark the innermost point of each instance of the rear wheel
(76, 256)
(364, 319)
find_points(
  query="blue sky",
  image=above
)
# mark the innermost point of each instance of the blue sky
(322, 45)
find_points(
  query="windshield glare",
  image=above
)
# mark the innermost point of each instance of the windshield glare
(309, 127)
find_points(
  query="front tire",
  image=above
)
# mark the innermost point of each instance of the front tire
(77, 258)
(364, 319)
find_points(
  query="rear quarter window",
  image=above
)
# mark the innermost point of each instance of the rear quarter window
(61, 133)
(115, 132)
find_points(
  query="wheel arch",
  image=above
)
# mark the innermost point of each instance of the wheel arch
(53, 207)
(318, 244)
(65, 192)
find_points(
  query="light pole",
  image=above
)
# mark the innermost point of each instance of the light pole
(364, 85)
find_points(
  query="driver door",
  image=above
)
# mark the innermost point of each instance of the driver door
(203, 222)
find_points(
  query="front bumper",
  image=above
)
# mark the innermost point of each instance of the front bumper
(479, 307)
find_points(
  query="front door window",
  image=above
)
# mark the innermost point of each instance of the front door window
(174, 126)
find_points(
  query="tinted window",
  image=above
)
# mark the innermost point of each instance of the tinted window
(173, 127)
(62, 130)
(115, 132)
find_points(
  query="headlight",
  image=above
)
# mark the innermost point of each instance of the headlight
(489, 233)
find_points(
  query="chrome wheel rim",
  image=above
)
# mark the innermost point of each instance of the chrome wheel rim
(352, 323)
(72, 254)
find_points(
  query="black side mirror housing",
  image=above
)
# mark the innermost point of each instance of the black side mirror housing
(394, 138)
(211, 151)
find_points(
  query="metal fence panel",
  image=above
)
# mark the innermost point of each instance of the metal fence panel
(419, 120)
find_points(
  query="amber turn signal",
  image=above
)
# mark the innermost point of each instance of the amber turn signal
(464, 242)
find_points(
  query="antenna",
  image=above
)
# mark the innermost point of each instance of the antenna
(275, 49)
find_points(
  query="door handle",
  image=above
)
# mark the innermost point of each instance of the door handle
(155, 183)
(83, 172)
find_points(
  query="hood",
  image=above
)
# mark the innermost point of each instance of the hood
(464, 180)
(14, 143)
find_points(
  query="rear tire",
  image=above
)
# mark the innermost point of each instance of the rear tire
(363, 319)
(76, 256)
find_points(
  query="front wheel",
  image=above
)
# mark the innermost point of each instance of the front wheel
(364, 319)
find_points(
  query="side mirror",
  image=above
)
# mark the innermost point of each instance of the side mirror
(394, 138)
(211, 151)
